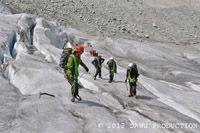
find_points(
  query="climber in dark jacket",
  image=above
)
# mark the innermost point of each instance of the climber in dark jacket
(131, 78)
(97, 62)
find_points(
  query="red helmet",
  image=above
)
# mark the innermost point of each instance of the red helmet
(79, 49)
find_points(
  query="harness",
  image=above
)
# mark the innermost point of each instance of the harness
(113, 68)
(75, 66)
(131, 80)
(99, 63)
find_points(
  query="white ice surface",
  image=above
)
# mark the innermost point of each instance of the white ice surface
(168, 100)
(193, 86)
(162, 96)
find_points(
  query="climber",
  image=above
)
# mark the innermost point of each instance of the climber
(97, 62)
(131, 78)
(72, 70)
(112, 68)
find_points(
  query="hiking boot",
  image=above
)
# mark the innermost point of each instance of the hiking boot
(78, 98)
(135, 96)
(73, 99)
(130, 95)
(110, 81)
(100, 77)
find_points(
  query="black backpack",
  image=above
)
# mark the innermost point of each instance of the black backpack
(64, 57)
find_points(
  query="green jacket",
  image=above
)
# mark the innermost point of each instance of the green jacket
(112, 66)
(132, 74)
(72, 66)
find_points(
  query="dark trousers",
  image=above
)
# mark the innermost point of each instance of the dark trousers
(133, 87)
(98, 72)
(74, 86)
(111, 76)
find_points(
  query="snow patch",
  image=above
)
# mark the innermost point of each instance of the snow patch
(179, 87)
(109, 101)
(20, 48)
(48, 40)
(191, 56)
(26, 25)
(88, 85)
(167, 100)
(176, 73)
(195, 56)
(193, 86)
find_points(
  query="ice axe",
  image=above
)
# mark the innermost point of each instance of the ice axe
(44, 93)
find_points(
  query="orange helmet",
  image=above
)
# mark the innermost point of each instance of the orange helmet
(79, 49)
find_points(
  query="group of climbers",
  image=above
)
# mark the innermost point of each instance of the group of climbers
(71, 59)
(98, 61)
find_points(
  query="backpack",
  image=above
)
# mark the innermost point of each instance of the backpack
(64, 57)
(93, 53)
(135, 71)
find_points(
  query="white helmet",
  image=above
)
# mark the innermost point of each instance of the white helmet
(130, 65)
(111, 58)
(69, 45)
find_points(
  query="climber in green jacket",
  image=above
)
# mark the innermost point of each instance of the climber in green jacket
(72, 71)
(132, 78)
(112, 68)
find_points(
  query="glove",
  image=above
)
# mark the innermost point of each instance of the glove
(86, 69)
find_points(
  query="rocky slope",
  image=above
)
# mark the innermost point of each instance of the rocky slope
(166, 21)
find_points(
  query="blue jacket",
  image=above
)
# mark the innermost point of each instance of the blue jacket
(98, 62)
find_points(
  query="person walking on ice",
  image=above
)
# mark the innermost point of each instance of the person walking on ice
(72, 71)
(97, 62)
(112, 66)
(131, 78)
